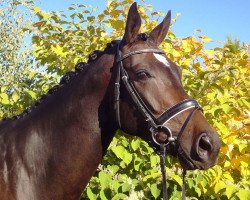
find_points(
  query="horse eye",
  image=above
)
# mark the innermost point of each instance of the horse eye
(143, 75)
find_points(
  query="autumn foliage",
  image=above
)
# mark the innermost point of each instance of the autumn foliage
(218, 78)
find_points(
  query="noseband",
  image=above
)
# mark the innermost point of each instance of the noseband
(156, 125)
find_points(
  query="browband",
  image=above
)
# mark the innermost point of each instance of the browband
(119, 59)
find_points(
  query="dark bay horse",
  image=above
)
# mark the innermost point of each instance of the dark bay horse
(52, 151)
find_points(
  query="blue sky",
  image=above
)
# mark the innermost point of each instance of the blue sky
(216, 18)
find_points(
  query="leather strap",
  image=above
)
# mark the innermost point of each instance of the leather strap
(177, 109)
(119, 59)
(163, 171)
(183, 196)
(155, 124)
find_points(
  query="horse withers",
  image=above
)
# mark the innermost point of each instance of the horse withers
(52, 151)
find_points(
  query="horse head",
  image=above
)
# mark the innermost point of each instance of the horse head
(151, 83)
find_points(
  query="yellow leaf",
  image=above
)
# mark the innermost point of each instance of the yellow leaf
(227, 164)
(235, 163)
(178, 14)
(4, 96)
(228, 177)
(15, 97)
(186, 46)
(224, 150)
(3, 88)
(167, 47)
(223, 129)
(36, 9)
(187, 62)
(207, 39)
(57, 49)
(176, 53)
(242, 147)
(210, 52)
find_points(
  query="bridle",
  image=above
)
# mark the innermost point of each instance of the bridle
(156, 125)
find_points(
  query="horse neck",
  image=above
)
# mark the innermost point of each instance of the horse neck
(62, 142)
(87, 125)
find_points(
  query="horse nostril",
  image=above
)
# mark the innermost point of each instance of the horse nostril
(205, 143)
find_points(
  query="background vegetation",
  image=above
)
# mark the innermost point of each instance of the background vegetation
(218, 78)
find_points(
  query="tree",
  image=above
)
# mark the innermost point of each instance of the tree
(21, 80)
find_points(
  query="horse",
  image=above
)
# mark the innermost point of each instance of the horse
(52, 150)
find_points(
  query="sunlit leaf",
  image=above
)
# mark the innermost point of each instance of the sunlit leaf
(155, 190)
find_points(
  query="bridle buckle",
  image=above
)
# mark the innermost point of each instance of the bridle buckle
(157, 130)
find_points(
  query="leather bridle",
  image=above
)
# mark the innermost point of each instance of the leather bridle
(156, 125)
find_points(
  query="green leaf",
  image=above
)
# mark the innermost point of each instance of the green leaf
(105, 179)
(152, 175)
(90, 194)
(32, 94)
(113, 168)
(119, 196)
(102, 195)
(155, 190)
(137, 163)
(123, 154)
(245, 102)
(153, 160)
(243, 194)
(177, 179)
(230, 190)
(190, 182)
(125, 142)
(119, 151)
(126, 187)
(198, 191)
(135, 144)
(32, 74)
(127, 158)
(219, 186)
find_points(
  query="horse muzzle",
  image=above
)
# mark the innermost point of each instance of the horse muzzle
(203, 154)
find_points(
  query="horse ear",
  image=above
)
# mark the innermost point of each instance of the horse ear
(159, 33)
(133, 25)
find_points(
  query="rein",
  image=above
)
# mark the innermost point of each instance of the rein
(156, 125)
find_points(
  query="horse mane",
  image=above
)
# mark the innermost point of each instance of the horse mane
(67, 77)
